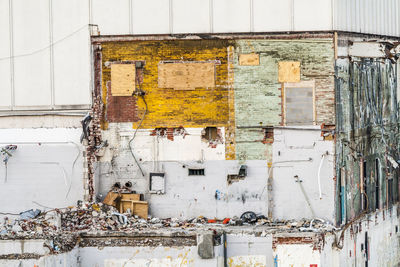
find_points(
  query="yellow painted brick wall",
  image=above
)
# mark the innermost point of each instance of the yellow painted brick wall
(168, 107)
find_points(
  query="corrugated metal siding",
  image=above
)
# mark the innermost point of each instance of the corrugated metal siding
(367, 16)
(37, 75)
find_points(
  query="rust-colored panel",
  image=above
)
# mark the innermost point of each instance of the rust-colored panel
(186, 76)
(249, 59)
(289, 71)
(122, 79)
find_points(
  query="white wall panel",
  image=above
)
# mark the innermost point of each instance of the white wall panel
(72, 55)
(5, 74)
(111, 16)
(231, 16)
(150, 16)
(312, 15)
(367, 16)
(31, 35)
(46, 167)
(271, 15)
(190, 16)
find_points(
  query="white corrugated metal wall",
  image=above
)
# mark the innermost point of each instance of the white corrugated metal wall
(367, 16)
(45, 48)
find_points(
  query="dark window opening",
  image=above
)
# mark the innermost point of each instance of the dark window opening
(377, 181)
(364, 191)
(196, 172)
(390, 191)
(268, 135)
(210, 133)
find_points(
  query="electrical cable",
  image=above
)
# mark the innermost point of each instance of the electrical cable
(47, 47)
(134, 135)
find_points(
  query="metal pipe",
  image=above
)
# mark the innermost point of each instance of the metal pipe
(43, 114)
(319, 176)
(225, 250)
(305, 195)
(285, 128)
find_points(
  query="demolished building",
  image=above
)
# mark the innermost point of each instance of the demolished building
(252, 141)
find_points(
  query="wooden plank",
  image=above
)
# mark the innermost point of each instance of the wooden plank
(289, 71)
(111, 199)
(249, 59)
(126, 200)
(123, 79)
(130, 196)
(139, 208)
(186, 76)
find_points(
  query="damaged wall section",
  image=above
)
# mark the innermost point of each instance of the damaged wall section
(367, 120)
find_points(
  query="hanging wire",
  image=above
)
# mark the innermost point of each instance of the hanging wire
(141, 94)
(47, 47)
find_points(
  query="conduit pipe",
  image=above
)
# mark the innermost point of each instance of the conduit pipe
(319, 176)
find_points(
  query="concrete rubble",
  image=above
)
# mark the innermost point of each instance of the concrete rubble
(63, 228)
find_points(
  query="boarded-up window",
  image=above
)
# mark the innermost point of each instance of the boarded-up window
(299, 103)
(289, 72)
(122, 79)
(186, 76)
(249, 59)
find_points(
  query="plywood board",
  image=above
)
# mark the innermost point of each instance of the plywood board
(111, 199)
(186, 76)
(139, 208)
(249, 59)
(289, 71)
(123, 79)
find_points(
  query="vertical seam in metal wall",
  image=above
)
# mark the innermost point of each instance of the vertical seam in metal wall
(251, 16)
(11, 36)
(171, 28)
(51, 54)
(211, 15)
(292, 15)
(333, 14)
(90, 12)
(130, 17)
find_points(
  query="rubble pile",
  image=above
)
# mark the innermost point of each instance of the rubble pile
(65, 225)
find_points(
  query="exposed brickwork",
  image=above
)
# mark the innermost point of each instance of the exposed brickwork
(168, 107)
(169, 132)
(258, 99)
(94, 138)
(120, 108)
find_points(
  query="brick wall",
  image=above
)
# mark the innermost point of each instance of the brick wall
(258, 92)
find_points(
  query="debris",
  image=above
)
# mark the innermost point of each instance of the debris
(29, 214)
(249, 217)
(226, 221)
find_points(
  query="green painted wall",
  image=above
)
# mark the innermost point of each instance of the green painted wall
(257, 90)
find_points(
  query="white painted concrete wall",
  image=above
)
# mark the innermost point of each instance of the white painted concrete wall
(185, 196)
(46, 169)
(296, 255)
(299, 152)
(295, 152)
(382, 237)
